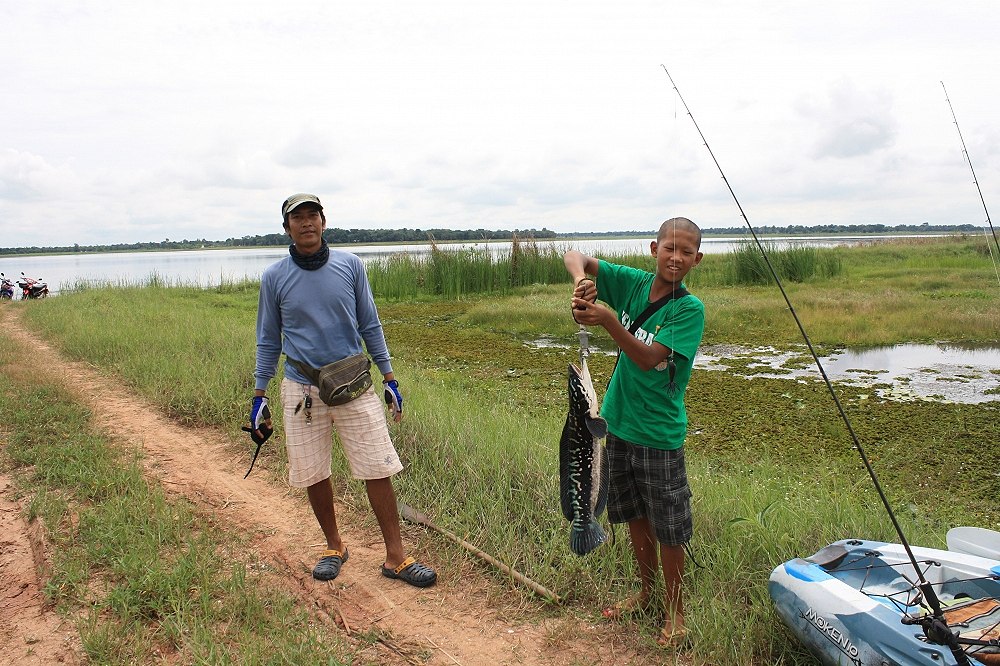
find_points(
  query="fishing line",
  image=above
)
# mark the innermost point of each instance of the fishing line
(968, 161)
(924, 586)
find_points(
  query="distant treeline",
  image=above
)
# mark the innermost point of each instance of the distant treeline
(333, 236)
(370, 236)
(798, 229)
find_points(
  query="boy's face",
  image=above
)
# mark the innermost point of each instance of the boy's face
(676, 253)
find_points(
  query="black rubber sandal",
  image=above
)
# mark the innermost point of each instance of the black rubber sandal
(412, 572)
(329, 564)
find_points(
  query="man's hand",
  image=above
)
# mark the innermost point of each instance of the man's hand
(260, 420)
(394, 399)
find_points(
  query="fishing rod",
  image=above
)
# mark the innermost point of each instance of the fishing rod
(924, 586)
(968, 160)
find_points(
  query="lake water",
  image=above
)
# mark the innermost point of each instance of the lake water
(210, 267)
(967, 374)
(947, 372)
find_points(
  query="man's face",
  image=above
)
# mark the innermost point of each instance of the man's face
(676, 253)
(305, 226)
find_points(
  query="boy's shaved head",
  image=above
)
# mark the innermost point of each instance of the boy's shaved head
(680, 223)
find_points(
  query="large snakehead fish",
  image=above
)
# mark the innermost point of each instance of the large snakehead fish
(583, 474)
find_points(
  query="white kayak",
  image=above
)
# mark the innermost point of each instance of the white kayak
(974, 541)
(859, 602)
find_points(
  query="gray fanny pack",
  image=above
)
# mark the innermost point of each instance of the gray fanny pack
(341, 381)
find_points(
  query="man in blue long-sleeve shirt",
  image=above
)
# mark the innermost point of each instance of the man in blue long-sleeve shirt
(316, 306)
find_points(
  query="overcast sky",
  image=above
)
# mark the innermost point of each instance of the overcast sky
(140, 121)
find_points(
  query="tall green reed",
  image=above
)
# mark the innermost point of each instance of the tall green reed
(460, 273)
(746, 265)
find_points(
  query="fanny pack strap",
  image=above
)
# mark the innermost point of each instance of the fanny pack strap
(339, 382)
(307, 370)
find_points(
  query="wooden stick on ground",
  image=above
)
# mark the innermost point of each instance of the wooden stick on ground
(415, 516)
(443, 650)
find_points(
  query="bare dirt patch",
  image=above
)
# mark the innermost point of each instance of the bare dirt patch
(457, 621)
(30, 631)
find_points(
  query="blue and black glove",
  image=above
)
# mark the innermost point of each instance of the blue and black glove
(393, 398)
(260, 426)
(260, 420)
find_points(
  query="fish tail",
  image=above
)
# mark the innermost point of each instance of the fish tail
(585, 537)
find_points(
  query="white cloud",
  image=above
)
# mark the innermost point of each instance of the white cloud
(184, 119)
(29, 179)
(850, 122)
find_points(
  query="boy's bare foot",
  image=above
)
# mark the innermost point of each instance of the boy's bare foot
(673, 637)
(634, 604)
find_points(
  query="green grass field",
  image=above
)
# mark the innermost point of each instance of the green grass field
(772, 469)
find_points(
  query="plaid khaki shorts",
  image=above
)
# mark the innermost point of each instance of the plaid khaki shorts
(361, 427)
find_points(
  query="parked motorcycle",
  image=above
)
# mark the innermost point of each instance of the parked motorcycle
(32, 288)
(6, 288)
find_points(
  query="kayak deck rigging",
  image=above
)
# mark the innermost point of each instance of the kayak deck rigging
(900, 590)
(851, 579)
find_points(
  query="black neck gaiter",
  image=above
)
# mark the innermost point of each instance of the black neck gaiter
(310, 262)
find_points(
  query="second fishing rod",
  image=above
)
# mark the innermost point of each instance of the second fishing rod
(924, 586)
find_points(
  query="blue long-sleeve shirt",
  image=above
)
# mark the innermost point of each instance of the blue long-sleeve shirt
(316, 317)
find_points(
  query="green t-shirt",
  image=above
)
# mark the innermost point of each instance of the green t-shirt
(637, 405)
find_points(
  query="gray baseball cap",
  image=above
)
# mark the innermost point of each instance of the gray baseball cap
(296, 200)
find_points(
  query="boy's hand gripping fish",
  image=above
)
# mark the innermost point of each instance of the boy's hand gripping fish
(583, 474)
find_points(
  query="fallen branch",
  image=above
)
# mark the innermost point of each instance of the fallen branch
(442, 650)
(415, 516)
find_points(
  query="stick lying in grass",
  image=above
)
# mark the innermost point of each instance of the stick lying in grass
(414, 516)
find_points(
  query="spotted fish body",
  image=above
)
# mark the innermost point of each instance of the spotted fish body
(583, 473)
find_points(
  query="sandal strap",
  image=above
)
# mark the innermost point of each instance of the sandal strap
(405, 563)
(333, 552)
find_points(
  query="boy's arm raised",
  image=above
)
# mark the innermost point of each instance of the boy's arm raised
(580, 265)
(587, 311)
(645, 356)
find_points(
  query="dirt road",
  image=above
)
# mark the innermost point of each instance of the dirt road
(450, 623)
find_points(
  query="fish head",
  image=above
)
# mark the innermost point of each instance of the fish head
(583, 399)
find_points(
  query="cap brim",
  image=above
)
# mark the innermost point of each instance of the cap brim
(296, 200)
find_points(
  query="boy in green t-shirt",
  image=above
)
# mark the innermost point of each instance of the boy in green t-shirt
(644, 404)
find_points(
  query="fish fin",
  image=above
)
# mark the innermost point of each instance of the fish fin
(565, 501)
(597, 426)
(602, 491)
(583, 540)
(564, 474)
